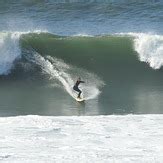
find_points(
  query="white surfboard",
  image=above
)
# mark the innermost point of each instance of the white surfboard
(79, 99)
(75, 96)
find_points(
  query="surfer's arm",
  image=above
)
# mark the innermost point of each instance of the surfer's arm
(82, 81)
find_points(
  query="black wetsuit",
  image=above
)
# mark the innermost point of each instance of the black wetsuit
(76, 87)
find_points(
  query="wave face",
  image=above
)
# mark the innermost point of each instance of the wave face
(66, 58)
(96, 50)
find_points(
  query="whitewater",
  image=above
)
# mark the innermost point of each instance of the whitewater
(114, 138)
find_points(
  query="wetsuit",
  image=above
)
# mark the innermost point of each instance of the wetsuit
(76, 87)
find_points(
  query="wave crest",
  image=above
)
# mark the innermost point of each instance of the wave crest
(150, 49)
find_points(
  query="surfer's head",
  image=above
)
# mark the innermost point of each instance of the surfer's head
(79, 78)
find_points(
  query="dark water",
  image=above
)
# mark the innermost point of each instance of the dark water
(67, 17)
(115, 46)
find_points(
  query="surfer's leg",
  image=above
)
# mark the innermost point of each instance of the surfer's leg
(78, 90)
(79, 93)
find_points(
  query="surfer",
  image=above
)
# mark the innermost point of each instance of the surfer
(76, 86)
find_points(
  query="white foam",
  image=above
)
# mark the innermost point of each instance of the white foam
(10, 49)
(82, 35)
(149, 48)
(130, 138)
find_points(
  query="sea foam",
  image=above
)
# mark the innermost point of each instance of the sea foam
(149, 48)
(10, 50)
(114, 138)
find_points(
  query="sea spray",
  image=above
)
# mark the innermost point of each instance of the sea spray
(58, 69)
(9, 51)
(149, 48)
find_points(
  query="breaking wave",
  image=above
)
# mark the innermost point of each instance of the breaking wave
(150, 49)
(65, 58)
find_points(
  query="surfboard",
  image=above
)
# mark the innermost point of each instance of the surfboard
(79, 99)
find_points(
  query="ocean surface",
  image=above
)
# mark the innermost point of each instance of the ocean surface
(115, 46)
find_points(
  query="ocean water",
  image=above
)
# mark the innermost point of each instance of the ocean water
(115, 46)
